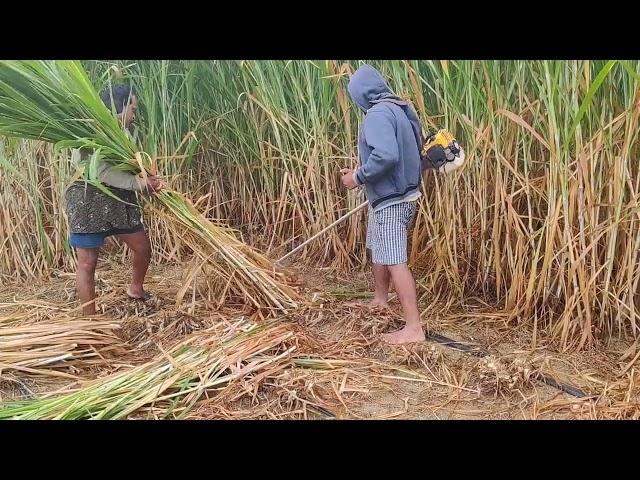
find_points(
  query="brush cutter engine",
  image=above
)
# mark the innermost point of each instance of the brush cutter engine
(441, 151)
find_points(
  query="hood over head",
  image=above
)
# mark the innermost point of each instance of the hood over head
(367, 87)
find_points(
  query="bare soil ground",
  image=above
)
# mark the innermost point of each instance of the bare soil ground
(427, 381)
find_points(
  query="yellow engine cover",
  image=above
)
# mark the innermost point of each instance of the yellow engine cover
(442, 138)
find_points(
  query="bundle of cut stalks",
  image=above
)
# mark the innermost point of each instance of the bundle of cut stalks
(56, 102)
(49, 348)
(172, 383)
(238, 268)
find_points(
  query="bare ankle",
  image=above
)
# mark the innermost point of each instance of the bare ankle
(413, 324)
(135, 290)
(89, 311)
(380, 297)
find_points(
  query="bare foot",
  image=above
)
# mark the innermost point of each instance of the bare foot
(374, 304)
(377, 303)
(406, 335)
(137, 293)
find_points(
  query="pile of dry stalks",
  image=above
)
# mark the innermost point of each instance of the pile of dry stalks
(58, 347)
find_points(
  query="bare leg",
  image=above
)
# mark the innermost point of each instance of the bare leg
(85, 278)
(382, 276)
(405, 287)
(141, 256)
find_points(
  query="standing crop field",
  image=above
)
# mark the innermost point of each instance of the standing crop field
(541, 228)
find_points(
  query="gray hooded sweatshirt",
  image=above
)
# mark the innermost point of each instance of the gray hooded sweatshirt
(390, 165)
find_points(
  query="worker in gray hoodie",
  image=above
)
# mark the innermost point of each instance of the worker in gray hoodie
(390, 170)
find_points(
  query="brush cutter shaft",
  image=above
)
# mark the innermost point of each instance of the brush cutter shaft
(323, 231)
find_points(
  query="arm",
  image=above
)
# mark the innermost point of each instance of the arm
(108, 174)
(113, 177)
(380, 135)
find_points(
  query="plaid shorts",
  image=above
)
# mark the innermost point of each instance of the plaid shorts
(388, 231)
